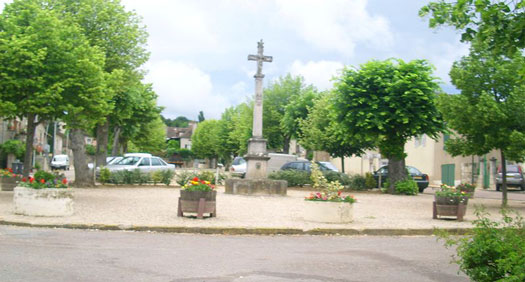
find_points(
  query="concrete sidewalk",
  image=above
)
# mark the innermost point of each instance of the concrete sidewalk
(155, 209)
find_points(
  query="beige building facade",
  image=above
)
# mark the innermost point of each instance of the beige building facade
(430, 157)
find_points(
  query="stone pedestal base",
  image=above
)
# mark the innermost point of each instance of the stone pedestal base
(256, 159)
(256, 187)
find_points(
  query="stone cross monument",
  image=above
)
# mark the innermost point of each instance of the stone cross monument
(257, 158)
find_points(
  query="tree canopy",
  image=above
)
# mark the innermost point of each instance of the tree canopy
(500, 25)
(488, 114)
(385, 103)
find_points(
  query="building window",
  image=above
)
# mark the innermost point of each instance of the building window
(420, 140)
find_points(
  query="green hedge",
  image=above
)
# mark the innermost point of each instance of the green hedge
(136, 177)
(294, 177)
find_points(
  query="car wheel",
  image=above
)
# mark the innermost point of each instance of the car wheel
(522, 187)
(421, 190)
(498, 187)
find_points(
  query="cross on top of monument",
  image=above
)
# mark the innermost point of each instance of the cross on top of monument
(260, 58)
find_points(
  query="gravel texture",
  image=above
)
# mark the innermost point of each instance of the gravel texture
(157, 206)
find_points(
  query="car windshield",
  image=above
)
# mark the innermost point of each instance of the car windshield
(413, 170)
(128, 161)
(512, 169)
(238, 161)
(60, 158)
(329, 166)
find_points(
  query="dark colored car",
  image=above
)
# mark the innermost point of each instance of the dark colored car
(514, 177)
(418, 176)
(303, 165)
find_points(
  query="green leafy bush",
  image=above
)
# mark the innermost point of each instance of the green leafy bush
(494, 251)
(337, 176)
(91, 150)
(370, 182)
(406, 187)
(357, 182)
(294, 177)
(16, 147)
(167, 175)
(39, 175)
(104, 175)
(156, 177)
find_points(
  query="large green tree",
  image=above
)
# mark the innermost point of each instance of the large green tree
(276, 98)
(488, 114)
(237, 126)
(43, 57)
(122, 37)
(297, 110)
(205, 141)
(321, 131)
(499, 25)
(386, 103)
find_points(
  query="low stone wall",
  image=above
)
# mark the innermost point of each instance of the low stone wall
(43, 202)
(256, 187)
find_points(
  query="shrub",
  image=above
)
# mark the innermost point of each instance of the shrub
(406, 187)
(370, 182)
(16, 147)
(294, 177)
(337, 176)
(39, 175)
(494, 251)
(104, 175)
(116, 177)
(91, 150)
(357, 182)
(156, 177)
(167, 175)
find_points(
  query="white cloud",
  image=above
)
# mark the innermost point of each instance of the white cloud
(184, 90)
(336, 25)
(318, 73)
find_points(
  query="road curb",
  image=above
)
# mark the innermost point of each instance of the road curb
(248, 231)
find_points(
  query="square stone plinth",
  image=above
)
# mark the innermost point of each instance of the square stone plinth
(256, 187)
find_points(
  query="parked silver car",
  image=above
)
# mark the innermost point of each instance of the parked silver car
(144, 162)
(514, 177)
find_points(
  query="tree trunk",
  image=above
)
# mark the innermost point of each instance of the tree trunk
(102, 143)
(504, 178)
(30, 136)
(82, 172)
(396, 172)
(342, 164)
(116, 135)
(286, 145)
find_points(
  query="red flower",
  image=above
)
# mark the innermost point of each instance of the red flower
(24, 179)
(195, 178)
(203, 182)
(338, 193)
(14, 175)
(64, 181)
(31, 179)
(212, 187)
(11, 170)
(42, 181)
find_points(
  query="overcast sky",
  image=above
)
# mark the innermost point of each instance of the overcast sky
(199, 49)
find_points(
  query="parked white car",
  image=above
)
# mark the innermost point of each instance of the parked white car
(144, 162)
(60, 162)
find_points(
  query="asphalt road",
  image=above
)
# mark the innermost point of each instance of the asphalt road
(30, 254)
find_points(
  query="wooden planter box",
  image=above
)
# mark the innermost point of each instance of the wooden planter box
(43, 202)
(8, 183)
(328, 212)
(199, 202)
(450, 206)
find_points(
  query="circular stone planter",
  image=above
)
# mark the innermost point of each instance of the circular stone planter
(43, 202)
(328, 212)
